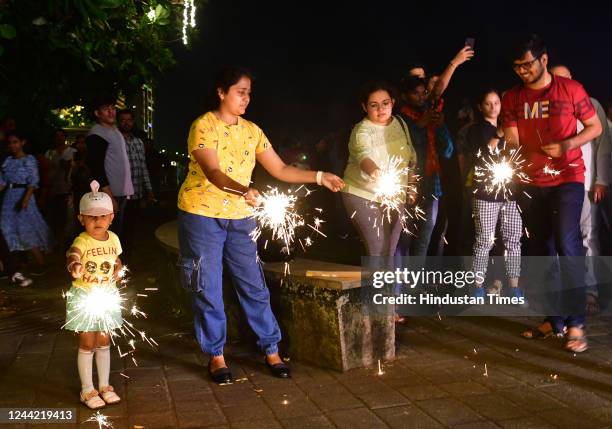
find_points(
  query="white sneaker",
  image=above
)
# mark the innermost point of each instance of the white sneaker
(21, 280)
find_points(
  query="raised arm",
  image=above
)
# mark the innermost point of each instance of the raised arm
(465, 54)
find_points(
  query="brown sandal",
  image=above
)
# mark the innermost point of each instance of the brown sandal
(576, 343)
(540, 332)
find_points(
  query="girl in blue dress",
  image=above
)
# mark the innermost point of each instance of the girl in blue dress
(21, 223)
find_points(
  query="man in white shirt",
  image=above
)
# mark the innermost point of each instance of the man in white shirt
(597, 159)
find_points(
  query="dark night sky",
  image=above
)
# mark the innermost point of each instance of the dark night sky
(310, 58)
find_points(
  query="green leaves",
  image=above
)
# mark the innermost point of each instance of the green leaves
(7, 31)
(70, 50)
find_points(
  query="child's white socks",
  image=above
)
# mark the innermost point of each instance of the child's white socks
(103, 359)
(85, 366)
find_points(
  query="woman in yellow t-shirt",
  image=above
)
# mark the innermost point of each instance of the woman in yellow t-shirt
(215, 221)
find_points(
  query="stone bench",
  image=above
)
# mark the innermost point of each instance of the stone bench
(318, 306)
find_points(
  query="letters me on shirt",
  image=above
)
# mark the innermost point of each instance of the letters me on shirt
(545, 116)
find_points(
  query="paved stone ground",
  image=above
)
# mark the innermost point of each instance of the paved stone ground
(455, 372)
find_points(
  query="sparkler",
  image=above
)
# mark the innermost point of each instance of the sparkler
(96, 309)
(498, 171)
(391, 186)
(547, 168)
(278, 214)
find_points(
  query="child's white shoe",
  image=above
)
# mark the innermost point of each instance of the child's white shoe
(92, 400)
(109, 395)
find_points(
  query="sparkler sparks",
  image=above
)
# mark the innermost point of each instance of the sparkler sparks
(101, 419)
(549, 170)
(498, 171)
(97, 309)
(391, 187)
(277, 213)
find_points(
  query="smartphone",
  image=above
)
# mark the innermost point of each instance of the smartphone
(470, 41)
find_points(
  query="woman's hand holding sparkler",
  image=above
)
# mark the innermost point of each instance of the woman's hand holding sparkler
(332, 182)
(252, 197)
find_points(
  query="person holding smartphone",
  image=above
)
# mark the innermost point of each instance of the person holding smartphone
(440, 83)
(431, 140)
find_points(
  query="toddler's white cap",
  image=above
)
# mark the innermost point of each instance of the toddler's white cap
(95, 203)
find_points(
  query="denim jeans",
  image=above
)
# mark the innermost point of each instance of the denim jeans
(552, 219)
(378, 241)
(417, 246)
(205, 244)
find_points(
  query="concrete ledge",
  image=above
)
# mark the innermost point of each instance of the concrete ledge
(319, 306)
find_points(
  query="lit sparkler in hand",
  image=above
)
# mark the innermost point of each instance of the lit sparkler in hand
(98, 307)
(498, 171)
(391, 187)
(277, 213)
(549, 170)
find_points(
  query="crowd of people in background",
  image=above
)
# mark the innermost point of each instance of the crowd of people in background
(41, 188)
(561, 209)
(549, 116)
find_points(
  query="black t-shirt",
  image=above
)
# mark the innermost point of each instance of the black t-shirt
(477, 138)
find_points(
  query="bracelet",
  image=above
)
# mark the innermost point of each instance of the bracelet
(319, 177)
(71, 264)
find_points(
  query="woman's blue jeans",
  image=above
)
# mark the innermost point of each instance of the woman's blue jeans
(205, 244)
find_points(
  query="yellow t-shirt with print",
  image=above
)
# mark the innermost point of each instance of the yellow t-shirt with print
(236, 147)
(98, 259)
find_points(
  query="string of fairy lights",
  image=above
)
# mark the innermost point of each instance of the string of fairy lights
(189, 11)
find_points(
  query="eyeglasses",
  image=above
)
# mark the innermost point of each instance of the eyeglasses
(524, 66)
(386, 104)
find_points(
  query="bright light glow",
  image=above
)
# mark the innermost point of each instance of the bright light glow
(498, 171)
(151, 15)
(100, 419)
(189, 11)
(276, 212)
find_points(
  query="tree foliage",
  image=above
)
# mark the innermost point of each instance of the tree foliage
(57, 53)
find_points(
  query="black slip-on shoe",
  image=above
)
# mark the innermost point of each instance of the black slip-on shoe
(221, 375)
(280, 370)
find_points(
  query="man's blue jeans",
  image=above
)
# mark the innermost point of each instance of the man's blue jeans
(205, 244)
(552, 219)
(417, 246)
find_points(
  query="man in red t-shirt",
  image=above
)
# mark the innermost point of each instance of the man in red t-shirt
(540, 115)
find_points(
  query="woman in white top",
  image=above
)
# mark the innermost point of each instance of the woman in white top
(374, 141)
